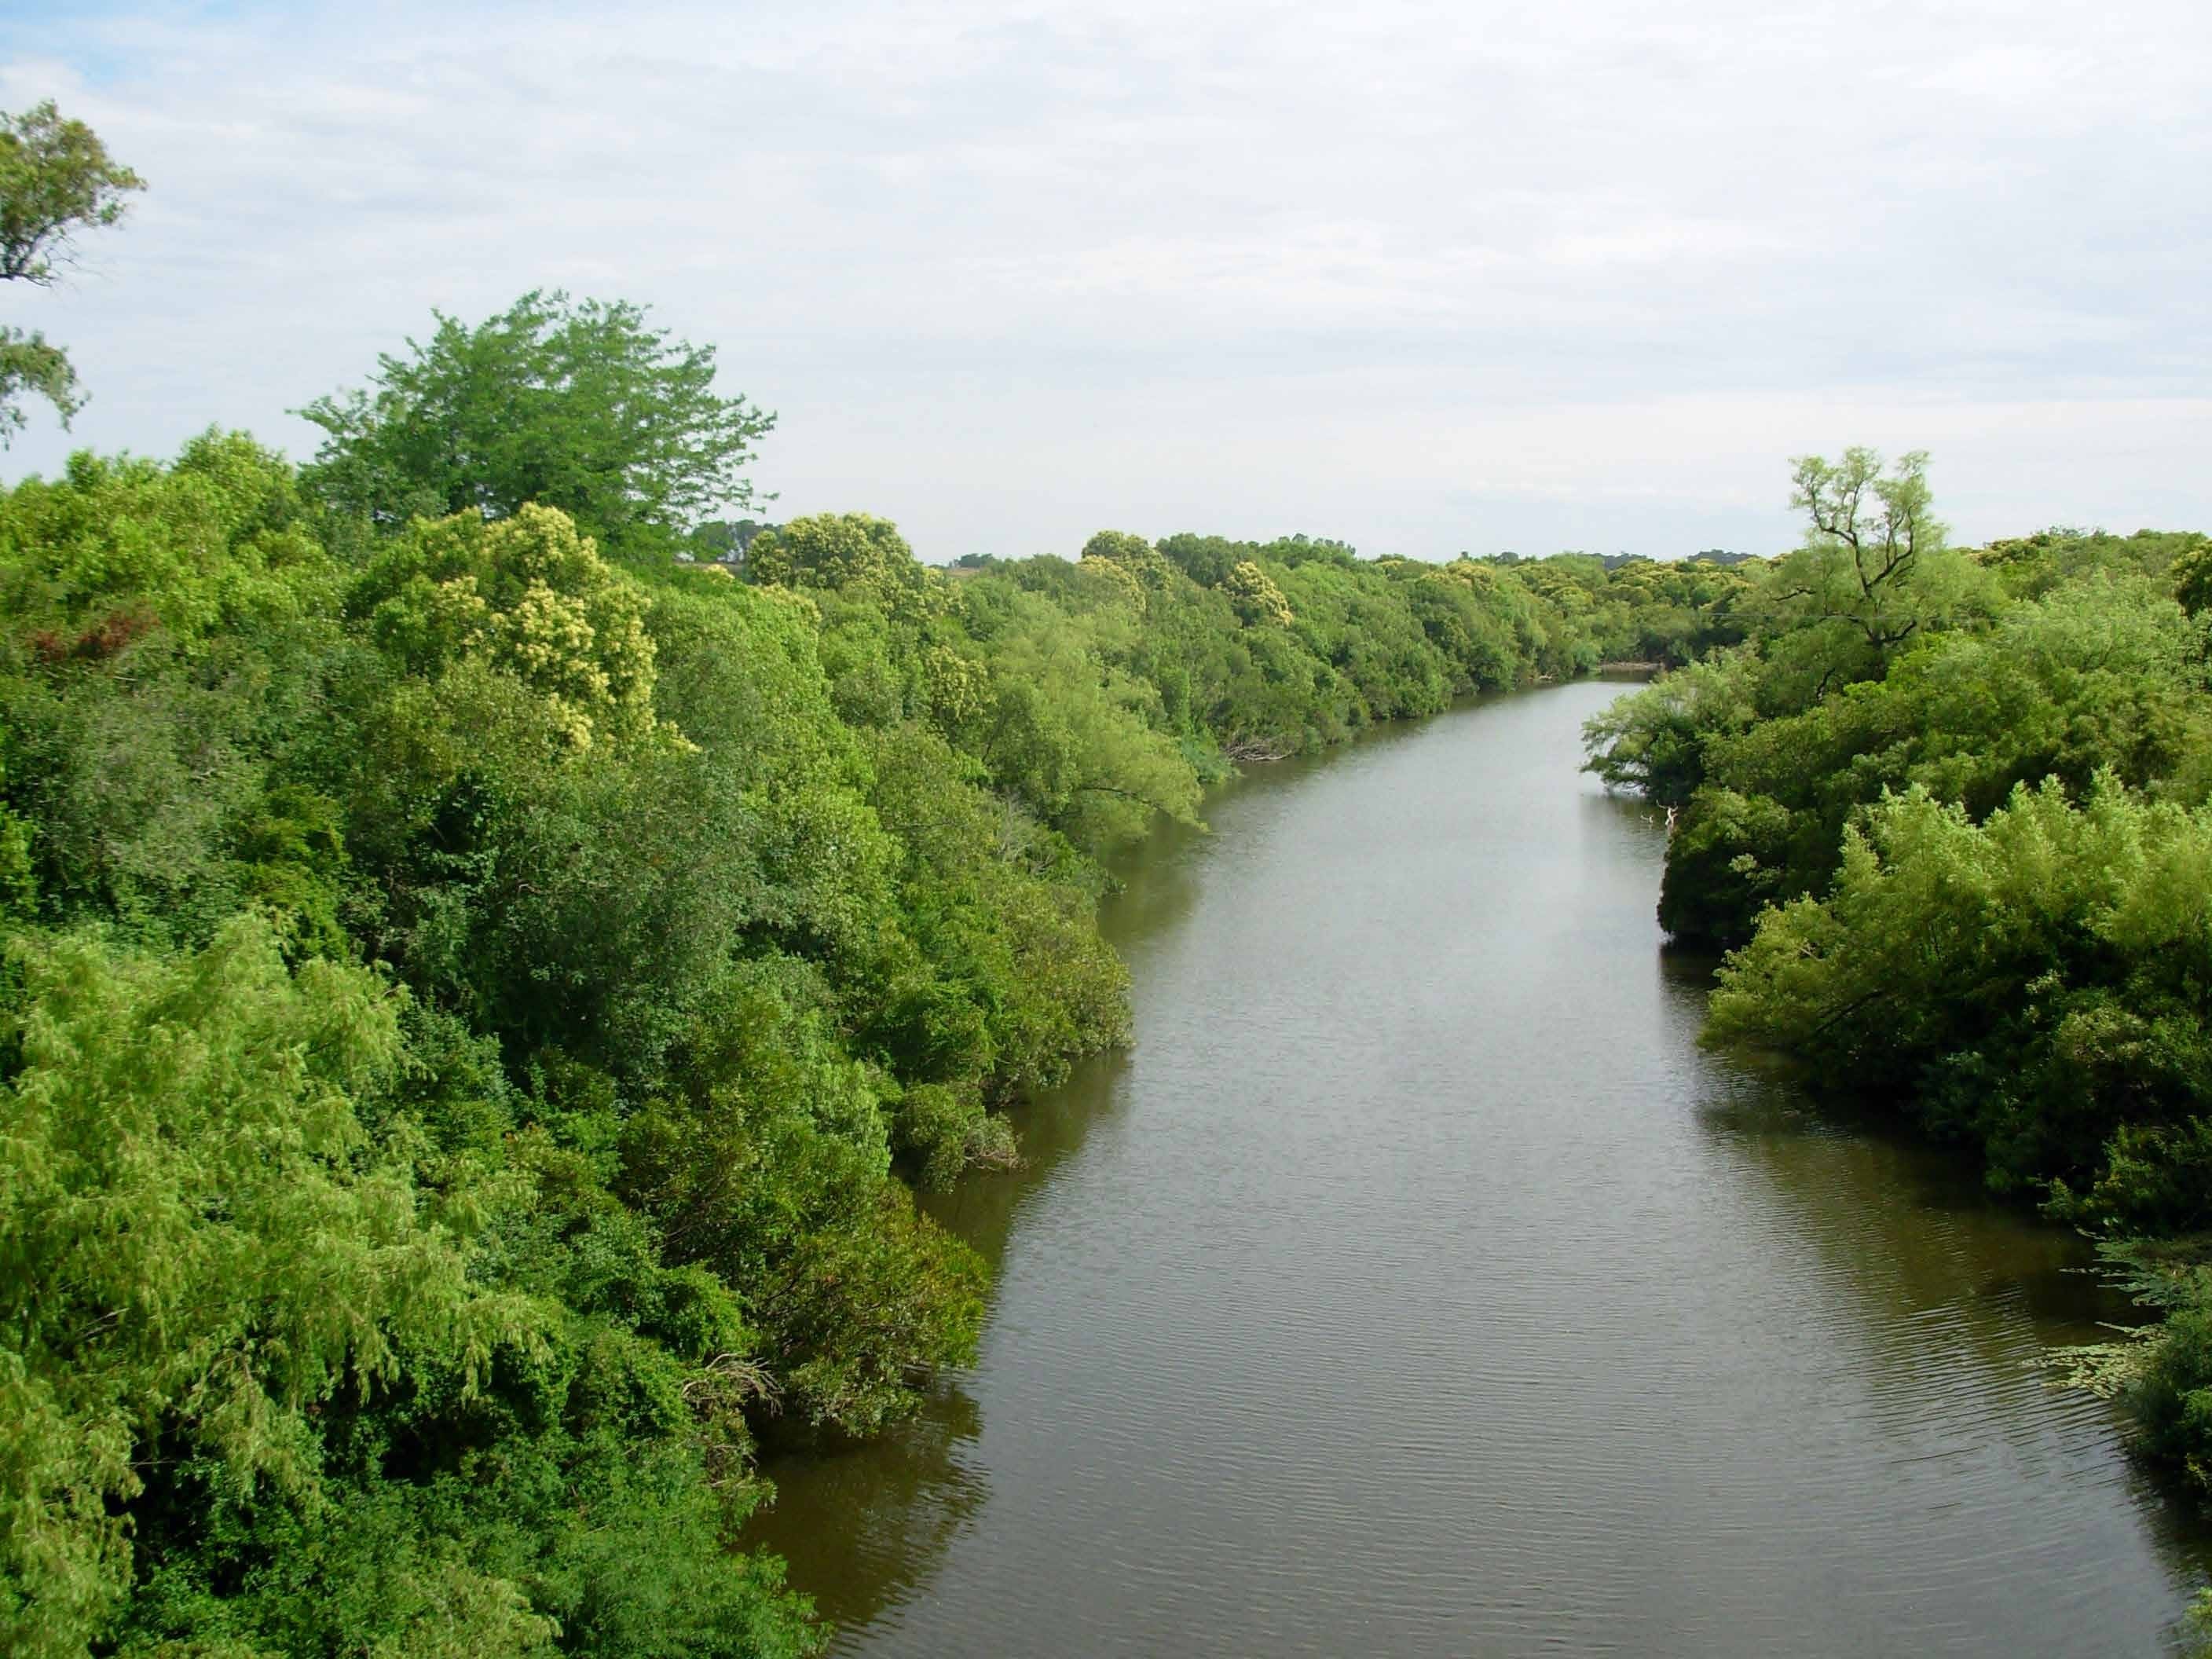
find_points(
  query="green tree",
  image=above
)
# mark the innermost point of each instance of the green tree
(837, 551)
(2193, 578)
(527, 596)
(55, 179)
(1259, 602)
(1131, 557)
(203, 1243)
(575, 404)
(1205, 559)
(217, 544)
(2031, 985)
(1654, 740)
(1876, 568)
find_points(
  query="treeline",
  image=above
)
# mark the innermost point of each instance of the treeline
(1948, 811)
(479, 991)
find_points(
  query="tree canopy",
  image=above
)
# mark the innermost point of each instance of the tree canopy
(575, 404)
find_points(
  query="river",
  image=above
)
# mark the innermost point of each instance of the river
(1416, 1286)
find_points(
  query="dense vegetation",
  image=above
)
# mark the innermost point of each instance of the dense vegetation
(491, 947)
(480, 988)
(1951, 813)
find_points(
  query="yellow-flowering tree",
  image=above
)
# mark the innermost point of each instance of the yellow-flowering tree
(1255, 596)
(528, 597)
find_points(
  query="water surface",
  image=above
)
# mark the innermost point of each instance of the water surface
(1415, 1286)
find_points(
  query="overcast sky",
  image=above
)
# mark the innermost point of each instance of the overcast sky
(1426, 277)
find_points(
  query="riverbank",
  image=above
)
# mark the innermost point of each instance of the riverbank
(1416, 1284)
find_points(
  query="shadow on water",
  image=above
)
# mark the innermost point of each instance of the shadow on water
(872, 1519)
(1966, 1297)
(1932, 1207)
(982, 1207)
(862, 1524)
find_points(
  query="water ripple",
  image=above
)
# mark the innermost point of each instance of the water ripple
(1417, 1287)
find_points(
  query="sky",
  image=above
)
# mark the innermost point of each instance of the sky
(1425, 278)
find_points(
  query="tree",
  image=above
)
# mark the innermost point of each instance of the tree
(837, 551)
(55, 179)
(1205, 559)
(1256, 598)
(726, 540)
(1654, 740)
(1876, 568)
(527, 596)
(205, 1246)
(578, 405)
(2193, 578)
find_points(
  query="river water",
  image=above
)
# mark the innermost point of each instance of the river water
(1416, 1286)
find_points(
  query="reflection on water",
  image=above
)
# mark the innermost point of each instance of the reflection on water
(877, 1517)
(1416, 1285)
(982, 1208)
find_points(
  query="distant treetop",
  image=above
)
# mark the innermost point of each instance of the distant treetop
(577, 405)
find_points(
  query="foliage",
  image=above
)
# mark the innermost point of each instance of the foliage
(1255, 597)
(1875, 570)
(1951, 810)
(202, 1244)
(1767, 760)
(2028, 982)
(31, 365)
(220, 542)
(525, 596)
(1100, 693)
(482, 990)
(467, 765)
(578, 405)
(2029, 567)
(1655, 740)
(55, 179)
(837, 551)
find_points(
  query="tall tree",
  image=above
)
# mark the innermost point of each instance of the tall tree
(1875, 571)
(578, 405)
(55, 179)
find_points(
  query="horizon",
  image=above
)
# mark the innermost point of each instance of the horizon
(1422, 280)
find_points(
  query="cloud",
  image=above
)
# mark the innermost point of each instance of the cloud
(1427, 277)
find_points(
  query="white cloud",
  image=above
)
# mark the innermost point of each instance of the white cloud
(1424, 276)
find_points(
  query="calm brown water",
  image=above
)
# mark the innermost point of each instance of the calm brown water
(1417, 1287)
